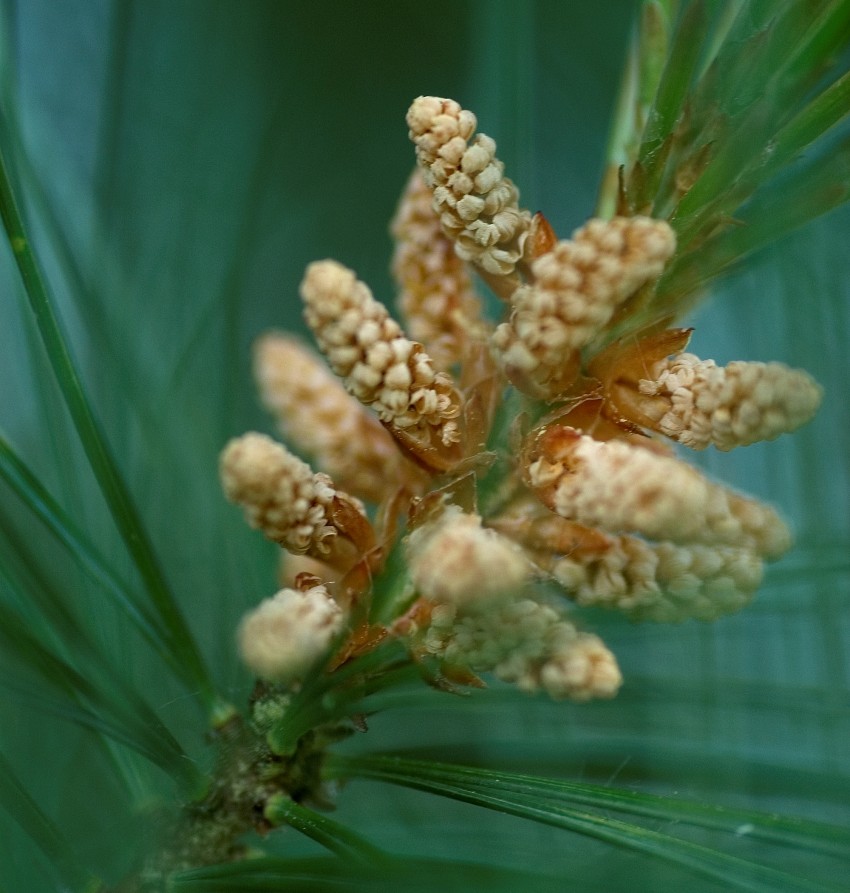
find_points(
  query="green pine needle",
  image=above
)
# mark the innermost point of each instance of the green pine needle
(36, 497)
(94, 442)
(340, 840)
(126, 722)
(553, 805)
(316, 875)
(60, 856)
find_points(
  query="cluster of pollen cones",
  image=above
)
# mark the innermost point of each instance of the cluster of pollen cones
(516, 467)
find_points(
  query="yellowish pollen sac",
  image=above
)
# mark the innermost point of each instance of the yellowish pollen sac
(476, 204)
(577, 287)
(705, 404)
(620, 488)
(436, 296)
(284, 636)
(528, 644)
(316, 415)
(662, 582)
(280, 495)
(583, 670)
(763, 528)
(380, 366)
(455, 560)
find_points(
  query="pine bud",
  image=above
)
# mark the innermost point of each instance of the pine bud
(621, 487)
(700, 403)
(284, 636)
(291, 505)
(455, 560)
(437, 297)
(379, 365)
(476, 203)
(317, 416)
(529, 644)
(663, 582)
(577, 287)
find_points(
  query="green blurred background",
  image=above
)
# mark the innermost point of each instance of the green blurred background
(180, 164)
